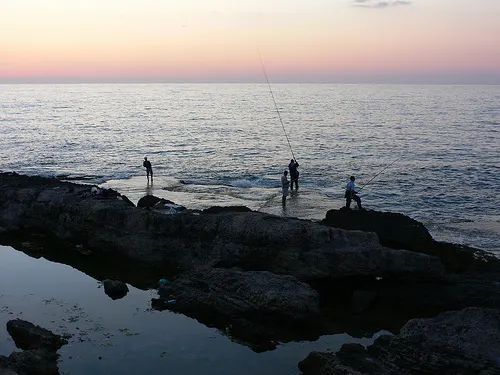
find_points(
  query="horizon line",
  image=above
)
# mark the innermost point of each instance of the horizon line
(374, 81)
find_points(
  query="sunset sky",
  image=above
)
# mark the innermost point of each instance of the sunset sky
(455, 41)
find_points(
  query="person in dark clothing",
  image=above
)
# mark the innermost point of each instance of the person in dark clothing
(294, 174)
(149, 169)
(350, 194)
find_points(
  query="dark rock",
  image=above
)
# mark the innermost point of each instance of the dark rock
(458, 342)
(398, 231)
(394, 230)
(115, 289)
(462, 258)
(7, 371)
(161, 205)
(252, 306)
(454, 292)
(100, 192)
(126, 200)
(219, 209)
(34, 362)
(39, 356)
(249, 240)
(259, 295)
(151, 201)
(473, 331)
(28, 336)
(361, 299)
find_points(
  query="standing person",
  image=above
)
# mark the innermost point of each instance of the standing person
(149, 170)
(294, 174)
(350, 193)
(284, 187)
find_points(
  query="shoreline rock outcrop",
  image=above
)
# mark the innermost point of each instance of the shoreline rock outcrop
(256, 305)
(398, 231)
(455, 342)
(188, 240)
(257, 276)
(39, 355)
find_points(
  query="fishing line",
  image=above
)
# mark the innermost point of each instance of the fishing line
(277, 110)
(387, 166)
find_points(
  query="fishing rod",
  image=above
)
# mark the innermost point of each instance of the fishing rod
(277, 110)
(387, 166)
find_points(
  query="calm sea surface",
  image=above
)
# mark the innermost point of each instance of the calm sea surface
(225, 142)
(433, 150)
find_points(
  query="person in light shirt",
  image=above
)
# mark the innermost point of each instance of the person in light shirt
(351, 193)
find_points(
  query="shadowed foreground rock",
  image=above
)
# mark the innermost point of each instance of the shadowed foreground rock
(398, 231)
(455, 342)
(260, 295)
(255, 304)
(40, 354)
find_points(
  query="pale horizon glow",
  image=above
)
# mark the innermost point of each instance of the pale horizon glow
(429, 41)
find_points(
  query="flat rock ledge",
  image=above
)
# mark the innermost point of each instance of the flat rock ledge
(189, 240)
(455, 342)
(252, 304)
(398, 231)
(259, 295)
(40, 350)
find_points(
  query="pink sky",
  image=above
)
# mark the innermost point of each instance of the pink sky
(219, 40)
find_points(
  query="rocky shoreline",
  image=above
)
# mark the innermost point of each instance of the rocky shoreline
(260, 278)
(39, 355)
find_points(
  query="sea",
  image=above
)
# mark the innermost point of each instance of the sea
(431, 152)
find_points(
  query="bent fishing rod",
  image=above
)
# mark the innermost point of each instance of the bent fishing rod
(276, 106)
(387, 166)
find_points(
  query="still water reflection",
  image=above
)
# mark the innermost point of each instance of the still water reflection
(126, 336)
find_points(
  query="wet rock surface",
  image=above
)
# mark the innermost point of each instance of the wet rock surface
(40, 350)
(27, 336)
(151, 201)
(254, 304)
(115, 289)
(393, 229)
(251, 294)
(398, 231)
(455, 342)
(249, 240)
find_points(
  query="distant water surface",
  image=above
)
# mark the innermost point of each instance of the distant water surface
(436, 145)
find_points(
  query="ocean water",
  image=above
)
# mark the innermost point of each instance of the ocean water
(428, 151)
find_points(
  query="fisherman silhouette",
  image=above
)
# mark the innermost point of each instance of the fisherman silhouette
(294, 174)
(149, 170)
(351, 193)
